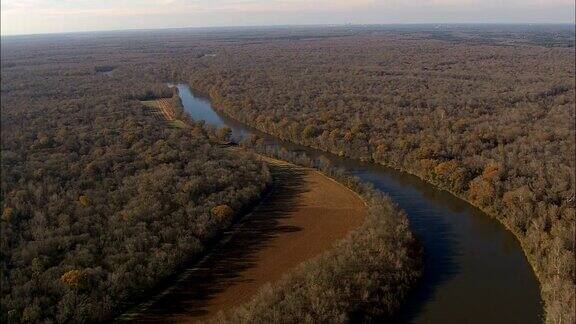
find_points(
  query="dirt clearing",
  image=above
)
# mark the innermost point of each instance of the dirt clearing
(162, 110)
(304, 215)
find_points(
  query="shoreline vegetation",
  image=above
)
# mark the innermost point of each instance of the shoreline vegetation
(556, 277)
(365, 276)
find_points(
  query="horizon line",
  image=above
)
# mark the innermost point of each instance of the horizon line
(286, 25)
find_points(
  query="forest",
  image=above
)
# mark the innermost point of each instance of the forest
(490, 119)
(100, 201)
(486, 113)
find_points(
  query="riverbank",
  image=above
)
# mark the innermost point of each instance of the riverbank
(441, 248)
(303, 217)
(544, 282)
(364, 278)
(305, 214)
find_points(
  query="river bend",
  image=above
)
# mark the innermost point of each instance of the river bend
(475, 270)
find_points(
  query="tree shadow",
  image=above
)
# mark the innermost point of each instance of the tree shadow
(222, 268)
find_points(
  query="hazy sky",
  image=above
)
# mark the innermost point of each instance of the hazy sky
(48, 16)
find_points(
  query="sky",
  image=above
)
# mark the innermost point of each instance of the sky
(51, 16)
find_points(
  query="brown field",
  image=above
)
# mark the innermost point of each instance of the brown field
(162, 110)
(304, 215)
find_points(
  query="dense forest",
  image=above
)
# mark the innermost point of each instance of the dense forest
(488, 118)
(487, 113)
(100, 201)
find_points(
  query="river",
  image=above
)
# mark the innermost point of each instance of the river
(475, 270)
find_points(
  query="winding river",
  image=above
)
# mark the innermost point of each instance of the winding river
(475, 270)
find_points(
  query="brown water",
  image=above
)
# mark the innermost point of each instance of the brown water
(475, 270)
